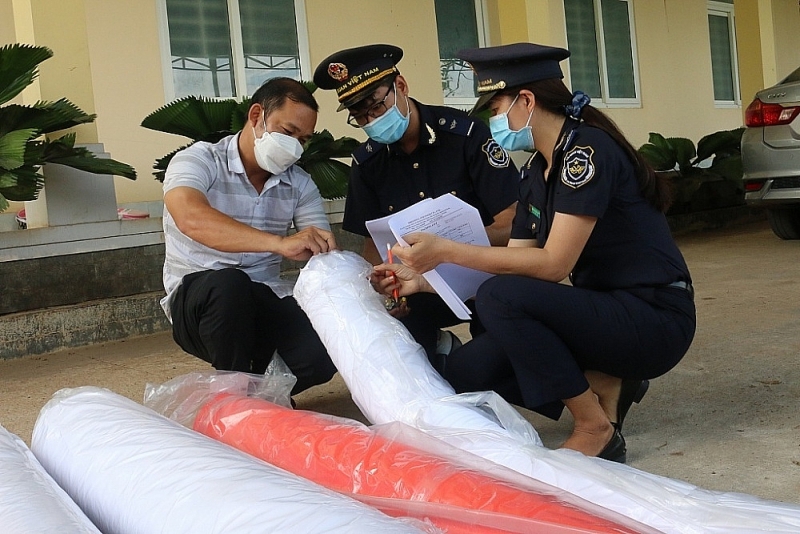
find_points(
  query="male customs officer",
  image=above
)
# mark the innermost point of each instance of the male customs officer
(415, 151)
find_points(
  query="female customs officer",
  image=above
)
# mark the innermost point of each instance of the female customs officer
(591, 210)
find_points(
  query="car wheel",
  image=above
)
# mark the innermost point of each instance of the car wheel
(785, 222)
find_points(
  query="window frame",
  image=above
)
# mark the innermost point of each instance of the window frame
(725, 9)
(237, 48)
(482, 25)
(606, 101)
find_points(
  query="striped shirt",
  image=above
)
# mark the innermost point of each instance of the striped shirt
(217, 170)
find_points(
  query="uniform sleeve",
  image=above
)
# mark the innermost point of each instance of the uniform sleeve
(361, 203)
(494, 175)
(309, 210)
(191, 167)
(588, 173)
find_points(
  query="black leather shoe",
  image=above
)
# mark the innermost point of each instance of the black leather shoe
(630, 392)
(616, 450)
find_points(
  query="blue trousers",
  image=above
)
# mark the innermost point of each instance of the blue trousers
(236, 324)
(541, 337)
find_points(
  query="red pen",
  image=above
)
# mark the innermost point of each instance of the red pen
(395, 291)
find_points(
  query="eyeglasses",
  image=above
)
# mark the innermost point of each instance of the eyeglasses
(373, 112)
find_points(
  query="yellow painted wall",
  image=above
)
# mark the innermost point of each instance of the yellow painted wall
(786, 21)
(8, 33)
(108, 61)
(674, 68)
(748, 44)
(768, 42)
(674, 74)
(67, 74)
(546, 24)
(123, 43)
(508, 21)
(16, 26)
(411, 25)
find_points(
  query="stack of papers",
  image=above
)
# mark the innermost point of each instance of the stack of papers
(446, 216)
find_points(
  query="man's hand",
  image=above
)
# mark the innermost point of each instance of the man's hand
(306, 243)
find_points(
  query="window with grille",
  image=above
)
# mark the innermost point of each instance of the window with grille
(722, 37)
(228, 48)
(459, 24)
(602, 44)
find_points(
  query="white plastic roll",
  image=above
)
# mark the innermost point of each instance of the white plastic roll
(135, 472)
(390, 380)
(30, 500)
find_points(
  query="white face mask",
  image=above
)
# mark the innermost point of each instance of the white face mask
(275, 152)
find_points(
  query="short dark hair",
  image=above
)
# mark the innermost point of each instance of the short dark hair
(273, 93)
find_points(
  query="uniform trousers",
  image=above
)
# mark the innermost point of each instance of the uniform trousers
(541, 337)
(226, 319)
(428, 315)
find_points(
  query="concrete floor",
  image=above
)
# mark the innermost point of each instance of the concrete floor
(727, 418)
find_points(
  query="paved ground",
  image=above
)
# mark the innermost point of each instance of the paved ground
(727, 418)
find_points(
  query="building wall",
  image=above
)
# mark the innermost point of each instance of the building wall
(786, 24)
(409, 25)
(748, 44)
(108, 60)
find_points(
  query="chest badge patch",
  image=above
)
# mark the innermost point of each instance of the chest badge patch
(495, 154)
(578, 168)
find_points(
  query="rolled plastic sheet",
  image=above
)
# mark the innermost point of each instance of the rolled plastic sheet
(390, 379)
(30, 500)
(133, 471)
(349, 458)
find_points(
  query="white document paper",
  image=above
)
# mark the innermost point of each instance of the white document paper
(449, 217)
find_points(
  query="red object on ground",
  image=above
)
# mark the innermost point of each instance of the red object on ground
(356, 461)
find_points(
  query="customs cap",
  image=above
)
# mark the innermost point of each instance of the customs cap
(500, 67)
(355, 73)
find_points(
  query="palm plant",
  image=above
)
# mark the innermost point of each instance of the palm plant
(24, 142)
(205, 119)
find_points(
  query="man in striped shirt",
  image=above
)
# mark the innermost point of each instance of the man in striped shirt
(228, 208)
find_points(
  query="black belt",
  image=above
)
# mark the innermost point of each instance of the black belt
(686, 286)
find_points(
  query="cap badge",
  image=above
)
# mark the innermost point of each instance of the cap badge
(337, 71)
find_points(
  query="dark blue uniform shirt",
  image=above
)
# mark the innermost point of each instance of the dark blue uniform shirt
(456, 154)
(631, 244)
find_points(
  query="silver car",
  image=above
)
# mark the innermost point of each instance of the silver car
(771, 155)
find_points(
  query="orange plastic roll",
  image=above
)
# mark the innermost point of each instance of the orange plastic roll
(353, 460)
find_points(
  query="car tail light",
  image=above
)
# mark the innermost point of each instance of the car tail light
(752, 186)
(760, 114)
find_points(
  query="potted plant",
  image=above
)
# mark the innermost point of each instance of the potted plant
(205, 119)
(25, 142)
(706, 177)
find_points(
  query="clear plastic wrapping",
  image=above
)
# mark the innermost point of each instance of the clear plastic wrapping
(348, 457)
(133, 471)
(30, 500)
(390, 380)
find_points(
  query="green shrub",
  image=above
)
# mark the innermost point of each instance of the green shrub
(706, 177)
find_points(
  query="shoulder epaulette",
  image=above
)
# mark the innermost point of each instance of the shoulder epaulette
(454, 121)
(366, 151)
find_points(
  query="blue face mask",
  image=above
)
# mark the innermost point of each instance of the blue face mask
(389, 127)
(507, 138)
